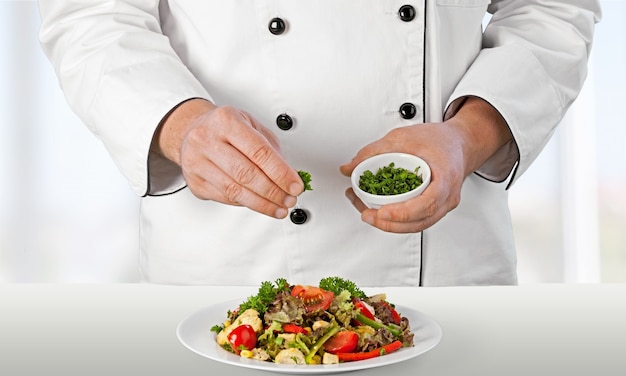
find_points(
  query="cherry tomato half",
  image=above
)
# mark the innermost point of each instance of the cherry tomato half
(314, 298)
(342, 342)
(242, 337)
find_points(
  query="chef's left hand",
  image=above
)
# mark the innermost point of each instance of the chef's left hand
(453, 149)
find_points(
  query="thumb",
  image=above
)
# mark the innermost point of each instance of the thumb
(346, 169)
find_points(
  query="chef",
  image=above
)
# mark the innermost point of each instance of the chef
(209, 108)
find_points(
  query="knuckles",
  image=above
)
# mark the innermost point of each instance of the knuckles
(233, 192)
(262, 154)
(245, 174)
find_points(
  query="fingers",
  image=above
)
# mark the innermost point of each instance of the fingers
(398, 222)
(388, 143)
(411, 216)
(261, 147)
(230, 158)
(224, 189)
(442, 149)
(263, 164)
(366, 152)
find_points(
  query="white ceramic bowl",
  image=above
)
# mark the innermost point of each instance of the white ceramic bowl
(406, 161)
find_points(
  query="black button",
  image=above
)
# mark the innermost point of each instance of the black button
(284, 122)
(408, 111)
(298, 216)
(277, 26)
(407, 13)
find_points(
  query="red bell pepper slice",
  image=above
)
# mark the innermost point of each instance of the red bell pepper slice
(293, 328)
(350, 357)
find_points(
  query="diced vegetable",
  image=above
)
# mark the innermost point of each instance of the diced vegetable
(389, 180)
(333, 329)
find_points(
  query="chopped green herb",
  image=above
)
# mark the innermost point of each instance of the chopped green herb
(390, 180)
(217, 328)
(306, 179)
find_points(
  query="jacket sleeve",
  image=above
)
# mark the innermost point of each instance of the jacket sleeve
(121, 77)
(531, 68)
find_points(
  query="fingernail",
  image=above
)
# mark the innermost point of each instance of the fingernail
(368, 218)
(290, 201)
(350, 196)
(280, 213)
(344, 169)
(295, 189)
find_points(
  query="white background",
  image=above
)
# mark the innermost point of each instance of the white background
(67, 214)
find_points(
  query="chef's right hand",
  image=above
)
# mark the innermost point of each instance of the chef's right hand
(229, 157)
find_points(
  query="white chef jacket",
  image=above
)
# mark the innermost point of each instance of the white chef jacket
(345, 73)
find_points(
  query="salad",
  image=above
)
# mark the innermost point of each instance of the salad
(331, 323)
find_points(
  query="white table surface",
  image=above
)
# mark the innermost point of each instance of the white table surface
(130, 329)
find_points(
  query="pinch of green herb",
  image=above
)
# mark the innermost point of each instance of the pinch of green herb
(390, 180)
(306, 179)
(217, 328)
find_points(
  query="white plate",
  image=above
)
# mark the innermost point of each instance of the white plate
(194, 332)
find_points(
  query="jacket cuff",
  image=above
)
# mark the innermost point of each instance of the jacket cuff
(502, 163)
(164, 176)
(524, 95)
